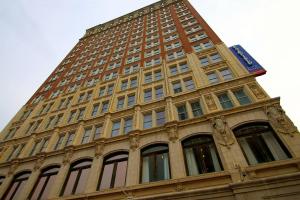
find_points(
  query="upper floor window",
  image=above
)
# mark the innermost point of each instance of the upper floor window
(155, 163)
(114, 171)
(260, 143)
(201, 155)
(225, 101)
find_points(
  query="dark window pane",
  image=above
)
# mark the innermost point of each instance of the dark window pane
(12, 191)
(121, 174)
(17, 194)
(82, 180)
(106, 176)
(48, 187)
(39, 188)
(70, 183)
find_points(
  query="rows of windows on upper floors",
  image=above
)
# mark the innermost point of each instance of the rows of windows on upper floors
(143, 25)
(210, 58)
(112, 53)
(194, 108)
(179, 74)
(258, 143)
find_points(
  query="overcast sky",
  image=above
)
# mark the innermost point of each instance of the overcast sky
(35, 35)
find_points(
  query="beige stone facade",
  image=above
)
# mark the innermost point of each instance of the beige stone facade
(278, 179)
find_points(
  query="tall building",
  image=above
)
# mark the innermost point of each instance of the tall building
(152, 105)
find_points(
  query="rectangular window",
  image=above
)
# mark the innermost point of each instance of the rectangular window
(120, 104)
(86, 135)
(157, 75)
(44, 145)
(147, 121)
(81, 97)
(95, 110)
(147, 95)
(242, 97)
(189, 84)
(183, 67)
(59, 142)
(104, 106)
(182, 113)
(35, 146)
(115, 128)
(159, 93)
(177, 87)
(226, 74)
(110, 89)
(98, 131)
(124, 85)
(71, 116)
(127, 125)
(148, 78)
(196, 109)
(81, 113)
(173, 70)
(160, 118)
(89, 96)
(101, 92)
(51, 119)
(204, 61)
(131, 100)
(212, 77)
(225, 101)
(58, 119)
(70, 139)
(133, 83)
(215, 57)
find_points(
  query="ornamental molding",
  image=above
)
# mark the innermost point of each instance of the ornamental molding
(99, 147)
(13, 166)
(134, 139)
(172, 130)
(279, 120)
(222, 131)
(39, 161)
(68, 154)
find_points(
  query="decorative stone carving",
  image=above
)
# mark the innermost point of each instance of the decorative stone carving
(257, 91)
(210, 102)
(68, 155)
(39, 162)
(242, 172)
(179, 187)
(279, 120)
(172, 131)
(222, 132)
(99, 148)
(12, 168)
(134, 141)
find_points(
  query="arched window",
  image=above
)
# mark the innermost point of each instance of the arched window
(77, 177)
(19, 181)
(201, 155)
(1, 179)
(260, 144)
(155, 163)
(44, 183)
(114, 171)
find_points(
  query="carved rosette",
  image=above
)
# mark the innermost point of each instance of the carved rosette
(222, 132)
(172, 130)
(257, 91)
(280, 121)
(99, 148)
(134, 141)
(210, 102)
(68, 153)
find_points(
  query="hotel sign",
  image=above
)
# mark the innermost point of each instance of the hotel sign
(247, 60)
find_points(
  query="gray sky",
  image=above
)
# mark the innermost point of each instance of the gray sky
(36, 35)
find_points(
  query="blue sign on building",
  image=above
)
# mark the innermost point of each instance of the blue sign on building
(247, 60)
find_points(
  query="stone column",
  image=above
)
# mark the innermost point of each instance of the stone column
(94, 174)
(78, 134)
(133, 168)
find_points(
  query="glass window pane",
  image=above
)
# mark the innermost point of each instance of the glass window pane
(18, 194)
(39, 187)
(82, 181)
(106, 176)
(70, 184)
(120, 178)
(48, 187)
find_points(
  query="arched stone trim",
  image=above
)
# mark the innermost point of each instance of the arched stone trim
(114, 152)
(195, 135)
